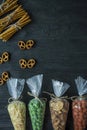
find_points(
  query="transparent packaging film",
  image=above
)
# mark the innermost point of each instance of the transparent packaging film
(16, 108)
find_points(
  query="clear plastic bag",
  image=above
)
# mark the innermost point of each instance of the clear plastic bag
(36, 106)
(59, 87)
(16, 108)
(81, 85)
(79, 105)
(59, 106)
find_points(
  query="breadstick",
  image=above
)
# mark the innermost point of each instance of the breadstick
(7, 6)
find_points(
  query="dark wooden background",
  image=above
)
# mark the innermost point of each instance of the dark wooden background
(60, 31)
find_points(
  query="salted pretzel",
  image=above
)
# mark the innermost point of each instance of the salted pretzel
(1, 81)
(5, 76)
(29, 44)
(1, 60)
(22, 45)
(5, 56)
(31, 63)
(23, 63)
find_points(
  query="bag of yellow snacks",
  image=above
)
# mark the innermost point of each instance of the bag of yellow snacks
(16, 108)
(59, 106)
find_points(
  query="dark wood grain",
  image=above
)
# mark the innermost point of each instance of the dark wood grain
(60, 31)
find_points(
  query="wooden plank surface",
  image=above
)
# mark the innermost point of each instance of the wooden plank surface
(60, 31)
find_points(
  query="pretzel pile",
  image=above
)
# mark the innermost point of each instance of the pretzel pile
(27, 64)
(4, 57)
(28, 45)
(4, 77)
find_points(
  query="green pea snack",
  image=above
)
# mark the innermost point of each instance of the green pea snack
(16, 108)
(36, 106)
(59, 106)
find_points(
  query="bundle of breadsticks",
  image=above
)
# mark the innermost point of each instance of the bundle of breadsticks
(18, 13)
(7, 6)
(12, 29)
(7, 26)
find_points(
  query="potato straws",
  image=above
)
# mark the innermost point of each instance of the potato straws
(12, 29)
(7, 6)
(18, 13)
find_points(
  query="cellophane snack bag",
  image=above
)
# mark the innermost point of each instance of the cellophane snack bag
(79, 105)
(36, 106)
(59, 106)
(16, 108)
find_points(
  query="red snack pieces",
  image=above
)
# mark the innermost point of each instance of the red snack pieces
(79, 108)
